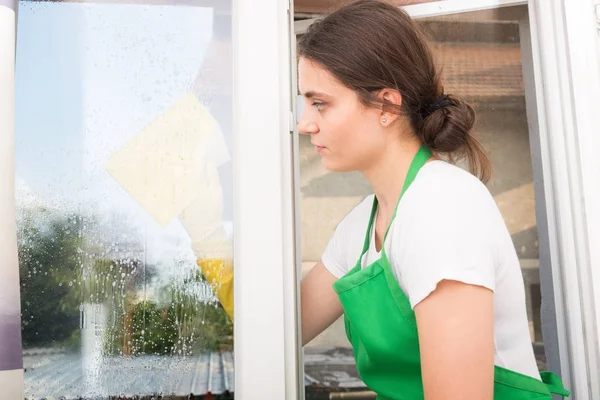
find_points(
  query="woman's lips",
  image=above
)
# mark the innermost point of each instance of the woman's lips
(319, 149)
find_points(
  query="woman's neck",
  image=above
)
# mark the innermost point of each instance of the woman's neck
(388, 173)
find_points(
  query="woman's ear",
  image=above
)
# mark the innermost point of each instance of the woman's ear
(390, 110)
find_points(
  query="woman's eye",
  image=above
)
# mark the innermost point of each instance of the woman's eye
(318, 105)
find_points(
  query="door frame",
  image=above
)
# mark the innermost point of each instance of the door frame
(559, 54)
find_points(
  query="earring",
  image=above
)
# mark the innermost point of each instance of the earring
(384, 120)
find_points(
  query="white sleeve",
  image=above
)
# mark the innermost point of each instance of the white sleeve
(449, 237)
(334, 256)
(345, 245)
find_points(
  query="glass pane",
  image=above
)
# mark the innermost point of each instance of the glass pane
(124, 187)
(481, 59)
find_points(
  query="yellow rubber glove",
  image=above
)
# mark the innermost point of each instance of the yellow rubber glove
(219, 273)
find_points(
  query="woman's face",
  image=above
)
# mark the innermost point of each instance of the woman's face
(348, 135)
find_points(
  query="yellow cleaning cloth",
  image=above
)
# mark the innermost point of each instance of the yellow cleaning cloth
(163, 167)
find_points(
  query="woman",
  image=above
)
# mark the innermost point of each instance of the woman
(424, 271)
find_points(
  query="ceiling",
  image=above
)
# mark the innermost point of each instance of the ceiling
(322, 6)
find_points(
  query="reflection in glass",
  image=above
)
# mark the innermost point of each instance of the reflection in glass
(123, 189)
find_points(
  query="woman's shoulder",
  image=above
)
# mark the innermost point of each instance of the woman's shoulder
(446, 193)
(446, 175)
(442, 183)
(449, 228)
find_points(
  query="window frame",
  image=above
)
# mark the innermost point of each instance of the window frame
(266, 280)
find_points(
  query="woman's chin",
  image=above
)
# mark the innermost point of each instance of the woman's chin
(332, 166)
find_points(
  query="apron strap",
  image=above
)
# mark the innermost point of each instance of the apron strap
(368, 235)
(418, 161)
(554, 384)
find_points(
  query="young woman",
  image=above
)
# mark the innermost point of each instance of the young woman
(424, 270)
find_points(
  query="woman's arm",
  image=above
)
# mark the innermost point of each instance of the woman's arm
(320, 303)
(456, 340)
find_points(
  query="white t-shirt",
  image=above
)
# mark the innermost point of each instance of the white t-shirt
(447, 226)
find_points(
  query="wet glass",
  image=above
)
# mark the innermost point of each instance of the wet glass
(124, 198)
(479, 54)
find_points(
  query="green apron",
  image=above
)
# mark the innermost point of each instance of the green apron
(382, 328)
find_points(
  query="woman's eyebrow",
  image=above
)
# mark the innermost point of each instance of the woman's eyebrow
(312, 93)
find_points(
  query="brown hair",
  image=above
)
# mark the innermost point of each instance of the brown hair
(369, 45)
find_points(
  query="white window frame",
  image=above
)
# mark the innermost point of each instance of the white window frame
(566, 84)
(562, 71)
(265, 276)
(566, 63)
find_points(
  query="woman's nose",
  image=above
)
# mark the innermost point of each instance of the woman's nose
(306, 127)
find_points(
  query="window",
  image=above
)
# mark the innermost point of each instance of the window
(124, 186)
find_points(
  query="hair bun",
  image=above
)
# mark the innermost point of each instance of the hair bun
(447, 127)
